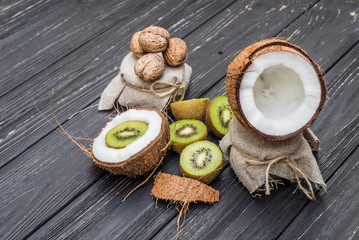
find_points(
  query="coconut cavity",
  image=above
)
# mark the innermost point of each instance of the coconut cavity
(185, 132)
(202, 161)
(279, 93)
(125, 133)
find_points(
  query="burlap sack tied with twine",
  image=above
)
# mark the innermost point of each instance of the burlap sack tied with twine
(130, 90)
(254, 160)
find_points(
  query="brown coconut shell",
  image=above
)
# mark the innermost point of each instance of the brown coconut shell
(241, 63)
(144, 161)
(181, 189)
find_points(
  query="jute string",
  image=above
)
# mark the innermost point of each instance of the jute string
(177, 89)
(256, 162)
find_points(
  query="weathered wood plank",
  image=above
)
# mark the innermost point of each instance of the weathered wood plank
(17, 15)
(338, 131)
(132, 229)
(335, 214)
(89, 68)
(60, 30)
(58, 193)
(84, 228)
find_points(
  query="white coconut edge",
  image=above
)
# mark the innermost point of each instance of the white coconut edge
(290, 118)
(104, 153)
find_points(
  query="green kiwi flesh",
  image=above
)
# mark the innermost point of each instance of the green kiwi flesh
(185, 132)
(220, 114)
(125, 133)
(202, 161)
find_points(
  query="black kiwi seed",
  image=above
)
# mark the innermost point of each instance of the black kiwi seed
(135, 134)
(193, 131)
(225, 124)
(125, 133)
(196, 153)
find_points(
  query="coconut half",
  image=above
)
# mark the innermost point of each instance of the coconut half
(139, 157)
(275, 89)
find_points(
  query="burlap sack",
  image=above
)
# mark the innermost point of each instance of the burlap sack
(132, 91)
(254, 160)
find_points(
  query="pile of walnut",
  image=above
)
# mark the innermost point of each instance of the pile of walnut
(146, 43)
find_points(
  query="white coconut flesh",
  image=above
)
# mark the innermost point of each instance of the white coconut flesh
(104, 153)
(279, 93)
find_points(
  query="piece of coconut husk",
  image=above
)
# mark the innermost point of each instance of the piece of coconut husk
(254, 160)
(182, 191)
(242, 62)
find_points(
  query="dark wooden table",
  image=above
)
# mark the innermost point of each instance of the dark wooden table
(50, 190)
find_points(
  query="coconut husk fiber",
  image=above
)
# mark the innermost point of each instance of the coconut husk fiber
(132, 91)
(254, 159)
(182, 191)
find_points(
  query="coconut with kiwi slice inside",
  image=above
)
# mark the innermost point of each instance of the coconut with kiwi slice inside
(132, 143)
(275, 89)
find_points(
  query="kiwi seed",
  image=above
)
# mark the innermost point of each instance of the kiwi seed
(185, 132)
(201, 160)
(125, 133)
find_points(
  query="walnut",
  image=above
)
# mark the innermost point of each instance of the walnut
(150, 67)
(154, 39)
(135, 46)
(176, 53)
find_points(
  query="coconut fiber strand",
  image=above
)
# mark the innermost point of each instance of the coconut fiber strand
(132, 91)
(254, 159)
(181, 189)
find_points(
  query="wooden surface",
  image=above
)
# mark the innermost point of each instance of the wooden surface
(51, 190)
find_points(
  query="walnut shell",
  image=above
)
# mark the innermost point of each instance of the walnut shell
(135, 46)
(150, 67)
(154, 39)
(176, 53)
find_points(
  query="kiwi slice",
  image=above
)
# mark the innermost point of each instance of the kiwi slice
(125, 133)
(185, 132)
(219, 114)
(202, 161)
(190, 109)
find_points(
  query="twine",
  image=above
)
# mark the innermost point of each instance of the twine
(177, 90)
(256, 162)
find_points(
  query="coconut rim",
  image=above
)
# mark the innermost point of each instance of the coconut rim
(294, 49)
(147, 148)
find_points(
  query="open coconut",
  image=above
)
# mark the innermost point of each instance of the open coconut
(275, 89)
(141, 154)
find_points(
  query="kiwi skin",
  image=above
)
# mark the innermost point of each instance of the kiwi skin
(190, 109)
(178, 147)
(210, 124)
(208, 178)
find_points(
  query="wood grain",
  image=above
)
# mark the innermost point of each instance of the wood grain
(79, 180)
(231, 195)
(34, 170)
(80, 77)
(335, 214)
(60, 30)
(52, 179)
